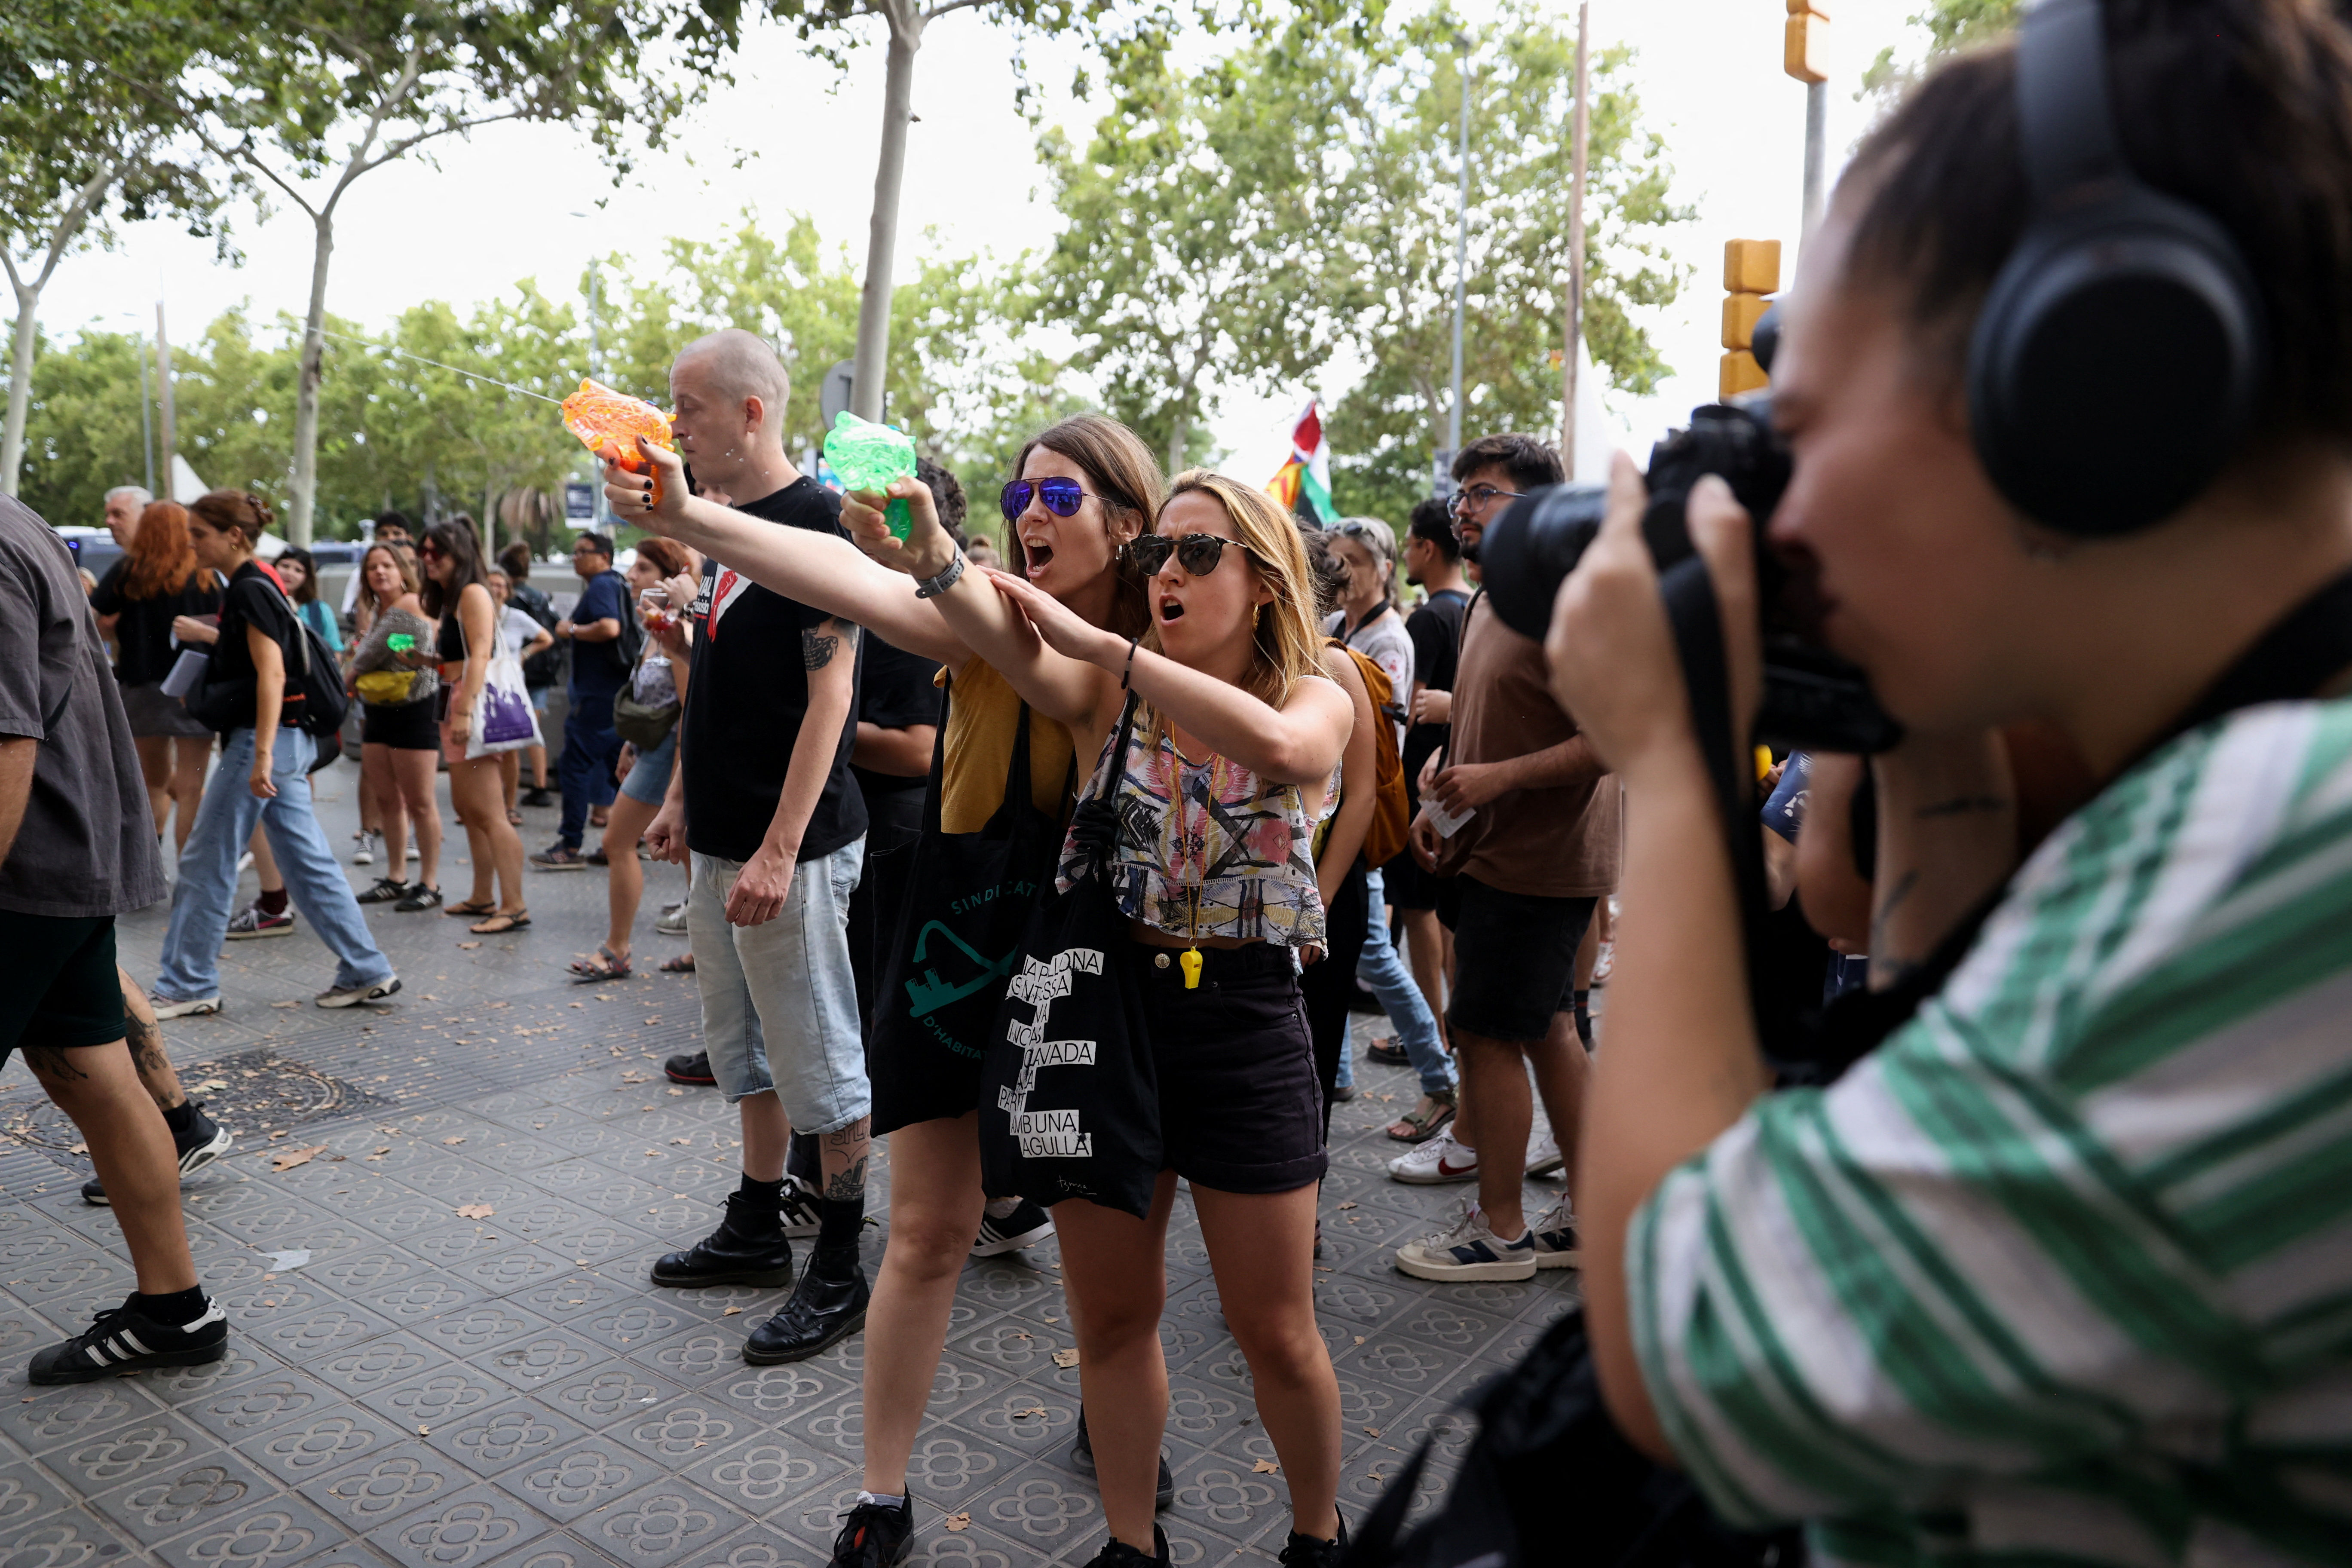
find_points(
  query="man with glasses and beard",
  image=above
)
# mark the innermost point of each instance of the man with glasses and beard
(1533, 848)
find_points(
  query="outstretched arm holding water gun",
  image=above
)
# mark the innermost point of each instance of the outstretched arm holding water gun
(819, 570)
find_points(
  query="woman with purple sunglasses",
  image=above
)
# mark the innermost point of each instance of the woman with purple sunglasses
(1085, 488)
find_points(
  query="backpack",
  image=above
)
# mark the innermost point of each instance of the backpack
(1385, 835)
(632, 640)
(315, 702)
(544, 667)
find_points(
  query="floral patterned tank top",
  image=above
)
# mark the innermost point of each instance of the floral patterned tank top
(1206, 848)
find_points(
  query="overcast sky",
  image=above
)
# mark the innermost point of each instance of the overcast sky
(496, 209)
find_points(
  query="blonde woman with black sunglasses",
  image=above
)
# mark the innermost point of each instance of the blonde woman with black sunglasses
(1227, 770)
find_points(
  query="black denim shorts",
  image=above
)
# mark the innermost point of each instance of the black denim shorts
(1514, 958)
(62, 990)
(1240, 1107)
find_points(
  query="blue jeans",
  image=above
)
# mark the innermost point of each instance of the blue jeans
(592, 749)
(207, 876)
(1383, 969)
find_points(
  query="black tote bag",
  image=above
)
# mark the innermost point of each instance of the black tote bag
(956, 938)
(1071, 1106)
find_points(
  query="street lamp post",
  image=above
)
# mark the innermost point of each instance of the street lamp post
(1461, 251)
(595, 357)
(146, 423)
(1575, 334)
(163, 386)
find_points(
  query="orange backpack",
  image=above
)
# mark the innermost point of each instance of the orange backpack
(1385, 835)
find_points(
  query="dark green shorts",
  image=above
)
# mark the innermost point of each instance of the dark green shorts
(61, 989)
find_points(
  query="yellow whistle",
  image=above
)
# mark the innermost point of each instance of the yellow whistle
(1190, 959)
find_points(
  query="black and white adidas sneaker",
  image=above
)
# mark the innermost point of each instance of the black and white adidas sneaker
(127, 1339)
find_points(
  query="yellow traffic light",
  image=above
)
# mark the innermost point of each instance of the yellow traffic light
(1804, 43)
(1752, 269)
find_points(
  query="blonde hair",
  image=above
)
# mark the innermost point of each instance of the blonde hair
(1287, 643)
(405, 563)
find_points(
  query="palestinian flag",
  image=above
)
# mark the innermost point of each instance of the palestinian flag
(1303, 485)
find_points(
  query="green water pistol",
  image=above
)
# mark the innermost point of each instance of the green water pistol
(869, 457)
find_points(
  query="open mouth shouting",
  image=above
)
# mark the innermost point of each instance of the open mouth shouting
(1036, 556)
(1169, 608)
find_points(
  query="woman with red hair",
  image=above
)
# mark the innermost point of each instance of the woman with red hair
(157, 580)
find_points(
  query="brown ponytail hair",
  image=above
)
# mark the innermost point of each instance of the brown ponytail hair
(240, 510)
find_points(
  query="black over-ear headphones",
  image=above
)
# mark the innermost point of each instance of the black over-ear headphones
(2114, 365)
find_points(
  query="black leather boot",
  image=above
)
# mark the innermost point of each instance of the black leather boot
(827, 1307)
(748, 1248)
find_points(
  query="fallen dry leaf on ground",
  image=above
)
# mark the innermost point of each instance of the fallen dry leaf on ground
(452, 1140)
(287, 1159)
(1032, 1410)
(1350, 1204)
(78, 1148)
(469, 946)
(1266, 1467)
(730, 1311)
(1066, 1358)
(474, 1211)
(958, 1522)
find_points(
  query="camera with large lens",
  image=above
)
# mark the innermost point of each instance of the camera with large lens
(1814, 700)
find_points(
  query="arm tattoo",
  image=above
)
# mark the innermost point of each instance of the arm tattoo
(1962, 806)
(819, 643)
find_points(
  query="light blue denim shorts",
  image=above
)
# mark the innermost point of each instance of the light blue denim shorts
(779, 999)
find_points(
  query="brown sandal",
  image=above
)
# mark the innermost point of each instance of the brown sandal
(681, 965)
(492, 927)
(1416, 1126)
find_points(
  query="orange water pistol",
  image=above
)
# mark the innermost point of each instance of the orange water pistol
(603, 418)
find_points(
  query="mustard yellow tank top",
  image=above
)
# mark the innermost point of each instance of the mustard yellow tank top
(983, 712)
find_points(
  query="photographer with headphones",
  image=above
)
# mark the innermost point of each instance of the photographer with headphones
(2062, 1269)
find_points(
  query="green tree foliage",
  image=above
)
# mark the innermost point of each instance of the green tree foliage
(1292, 206)
(414, 416)
(81, 147)
(1397, 251)
(1951, 25)
(324, 91)
(1195, 216)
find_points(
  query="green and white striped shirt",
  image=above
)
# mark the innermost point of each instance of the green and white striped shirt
(2063, 1273)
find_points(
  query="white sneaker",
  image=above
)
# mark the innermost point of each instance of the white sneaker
(369, 844)
(1543, 1155)
(244, 862)
(370, 992)
(1468, 1250)
(1555, 1235)
(194, 1007)
(673, 920)
(1443, 1159)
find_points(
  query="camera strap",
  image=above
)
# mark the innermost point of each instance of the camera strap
(2300, 658)
(1697, 622)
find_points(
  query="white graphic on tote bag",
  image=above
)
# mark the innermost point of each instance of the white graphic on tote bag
(1042, 1134)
